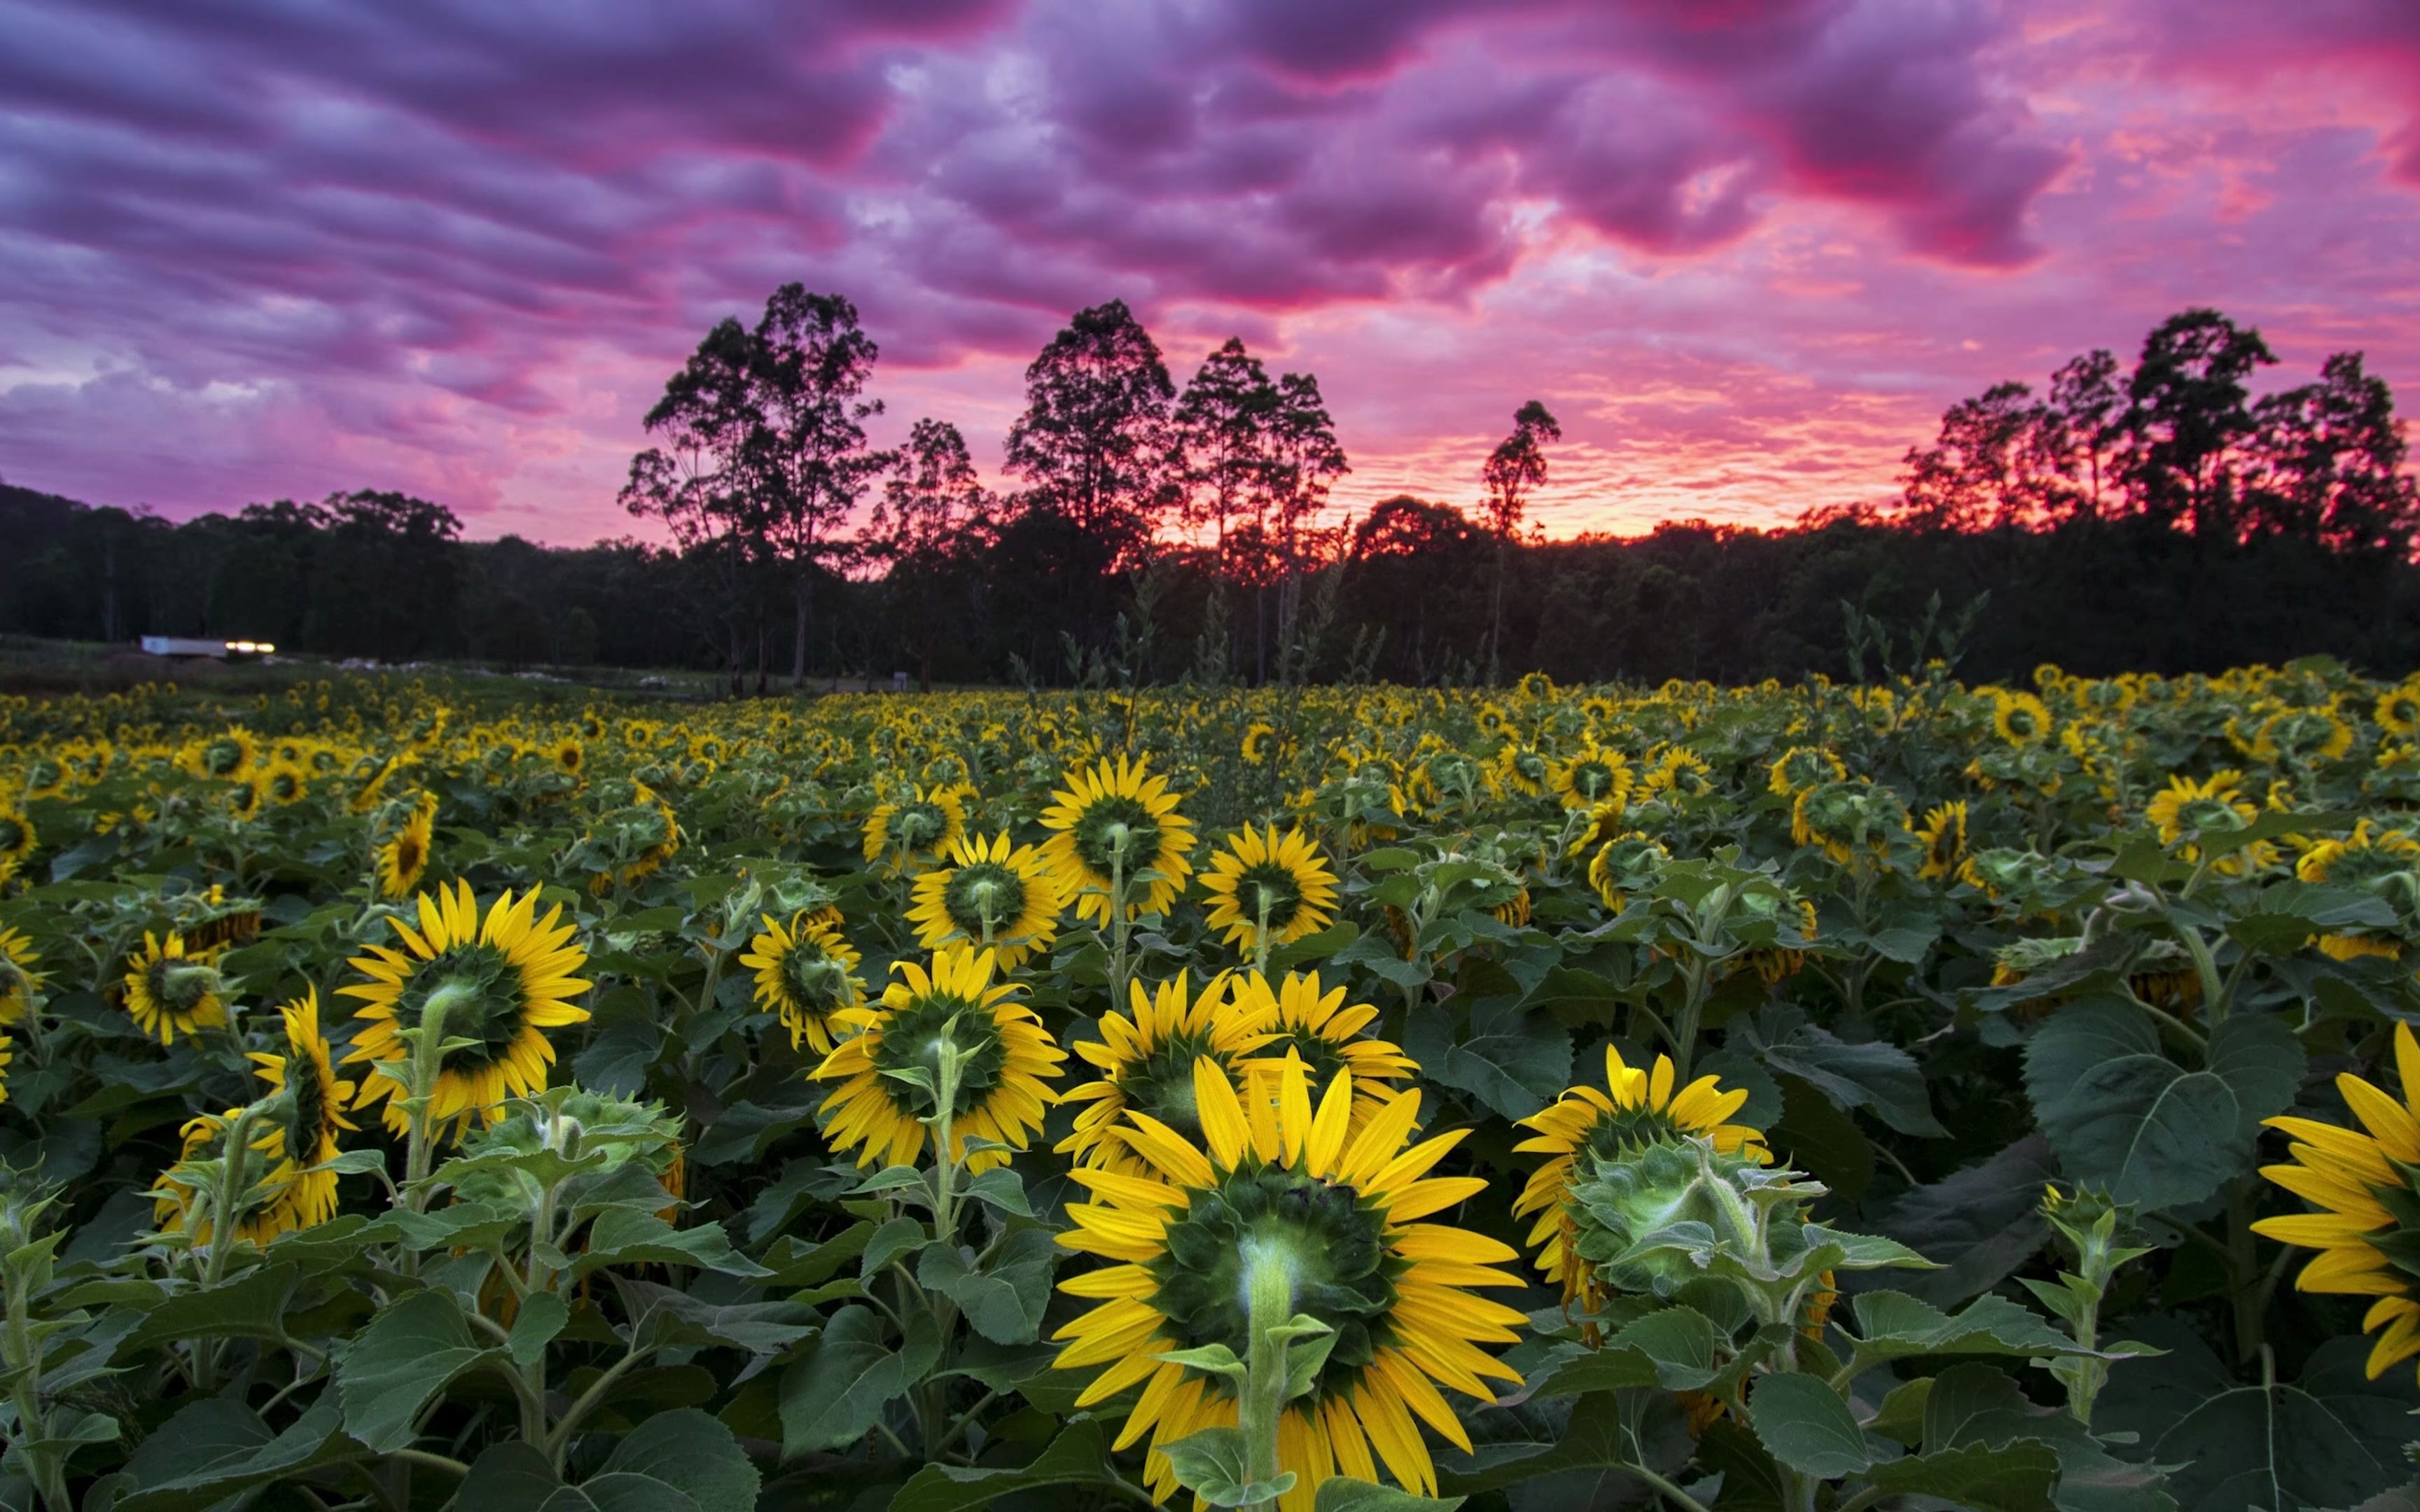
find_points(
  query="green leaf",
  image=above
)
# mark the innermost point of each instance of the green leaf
(253, 1305)
(540, 1319)
(2260, 1060)
(1001, 1187)
(509, 1477)
(1342, 1493)
(1977, 1405)
(1004, 1302)
(897, 1237)
(398, 1366)
(1077, 1457)
(1893, 1325)
(1979, 1224)
(2016, 1477)
(1751, 1481)
(624, 1237)
(2122, 1116)
(215, 1448)
(1806, 1426)
(764, 1329)
(1214, 1465)
(689, 1449)
(1815, 1136)
(2332, 1438)
(833, 1393)
(1672, 1348)
(1515, 1074)
(620, 1491)
(1880, 1077)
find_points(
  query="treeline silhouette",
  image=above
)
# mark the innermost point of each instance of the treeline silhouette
(2157, 518)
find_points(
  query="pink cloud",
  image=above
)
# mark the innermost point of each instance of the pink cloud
(1747, 249)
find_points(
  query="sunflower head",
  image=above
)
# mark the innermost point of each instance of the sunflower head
(2385, 863)
(2397, 710)
(403, 855)
(1280, 1210)
(578, 1124)
(2020, 718)
(311, 1100)
(952, 1023)
(1594, 776)
(1589, 1128)
(19, 981)
(1848, 820)
(17, 838)
(1942, 835)
(2187, 814)
(1267, 890)
(499, 980)
(806, 974)
(910, 832)
(1118, 818)
(1146, 1056)
(170, 992)
(182, 1197)
(990, 893)
(1801, 767)
(2364, 1181)
(1297, 1018)
(1625, 864)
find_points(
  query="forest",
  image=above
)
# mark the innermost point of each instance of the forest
(2158, 516)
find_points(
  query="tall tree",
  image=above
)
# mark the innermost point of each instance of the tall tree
(1516, 467)
(807, 459)
(2327, 464)
(2084, 405)
(1305, 460)
(1997, 461)
(932, 494)
(2186, 411)
(700, 481)
(1220, 429)
(1093, 442)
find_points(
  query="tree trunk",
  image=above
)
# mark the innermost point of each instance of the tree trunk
(802, 596)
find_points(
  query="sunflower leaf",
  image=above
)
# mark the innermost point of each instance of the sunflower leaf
(1215, 1466)
(1805, 1426)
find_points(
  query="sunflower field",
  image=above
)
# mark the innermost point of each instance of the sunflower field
(1897, 1095)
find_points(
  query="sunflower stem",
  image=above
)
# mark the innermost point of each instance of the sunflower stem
(1261, 936)
(1269, 1282)
(1118, 924)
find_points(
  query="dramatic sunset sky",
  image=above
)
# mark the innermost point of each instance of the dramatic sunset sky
(1745, 249)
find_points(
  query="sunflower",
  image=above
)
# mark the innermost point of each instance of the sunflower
(1802, 767)
(17, 839)
(180, 1188)
(1281, 1210)
(1943, 835)
(2383, 862)
(1299, 1018)
(1259, 744)
(2363, 1181)
(910, 833)
(568, 754)
(7, 1055)
(245, 795)
(2186, 809)
(1111, 813)
(18, 978)
(1268, 890)
(2398, 710)
(1146, 1063)
(989, 895)
(170, 992)
(1847, 819)
(403, 856)
(1623, 864)
(1635, 1108)
(1008, 1060)
(1522, 770)
(284, 781)
(1593, 777)
(2019, 718)
(305, 1195)
(223, 756)
(806, 973)
(507, 978)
